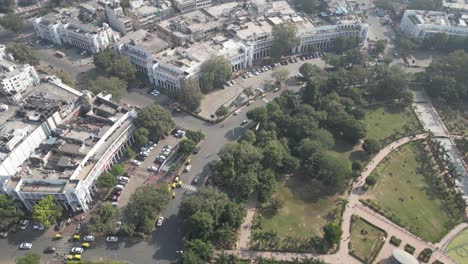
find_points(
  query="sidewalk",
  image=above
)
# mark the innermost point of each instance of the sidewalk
(246, 228)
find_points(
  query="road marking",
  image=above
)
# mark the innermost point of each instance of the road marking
(189, 187)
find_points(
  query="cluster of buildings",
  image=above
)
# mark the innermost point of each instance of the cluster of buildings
(57, 141)
(420, 24)
(169, 47)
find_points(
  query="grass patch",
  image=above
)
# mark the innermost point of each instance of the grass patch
(385, 123)
(366, 240)
(458, 247)
(307, 207)
(404, 193)
(455, 118)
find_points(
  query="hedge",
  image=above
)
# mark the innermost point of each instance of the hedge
(395, 241)
(409, 248)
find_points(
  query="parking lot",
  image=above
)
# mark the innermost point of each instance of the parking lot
(228, 95)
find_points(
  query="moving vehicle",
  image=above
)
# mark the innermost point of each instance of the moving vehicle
(244, 122)
(25, 246)
(112, 239)
(195, 180)
(160, 221)
(49, 250)
(77, 250)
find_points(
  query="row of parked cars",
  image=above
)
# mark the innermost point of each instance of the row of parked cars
(166, 151)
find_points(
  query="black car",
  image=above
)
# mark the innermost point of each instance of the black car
(195, 180)
(49, 250)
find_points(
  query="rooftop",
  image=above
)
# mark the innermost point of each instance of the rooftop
(418, 17)
(189, 23)
(143, 39)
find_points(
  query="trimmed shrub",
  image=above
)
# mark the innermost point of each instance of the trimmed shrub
(395, 241)
(409, 248)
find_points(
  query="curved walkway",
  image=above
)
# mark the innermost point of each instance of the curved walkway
(355, 207)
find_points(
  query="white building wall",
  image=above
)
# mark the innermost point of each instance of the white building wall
(26, 77)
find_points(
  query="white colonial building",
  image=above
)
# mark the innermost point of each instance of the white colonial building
(421, 24)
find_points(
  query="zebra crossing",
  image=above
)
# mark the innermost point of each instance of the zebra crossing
(189, 187)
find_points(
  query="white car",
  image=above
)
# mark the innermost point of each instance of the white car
(25, 246)
(118, 225)
(237, 112)
(88, 238)
(112, 239)
(153, 168)
(160, 221)
(77, 250)
(155, 93)
(123, 178)
(135, 162)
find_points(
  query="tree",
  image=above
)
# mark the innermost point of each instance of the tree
(309, 70)
(332, 233)
(156, 119)
(187, 146)
(405, 45)
(65, 77)
(281, 75)
(103, 219)
(333, 172)
(380, 45)
(46, 211)
(190, 257)
(371, 146)
(437, 41)
(141, 136)
(190, 94)
(9, 212)
(145, 206)
(204, 250)
(12, 22)
(195, 136)
(284, 39)
(128, 153)
(258, 114)
(249, 136)
(222, 111)
(388, 82)
(106, 180)
(248, 92)
(117, 170)
(23, 54)
(341, 43)
(371, 180)
(202, 225)
(7, 6)
(29, 258)
(214, 73)
(111, 63)
(112, 85)
(274, 154)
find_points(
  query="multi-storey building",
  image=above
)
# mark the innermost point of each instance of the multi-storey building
(15, 79)
(60, 29)
(58, 141)
(140, 47)
(422, 24)
(185, 6)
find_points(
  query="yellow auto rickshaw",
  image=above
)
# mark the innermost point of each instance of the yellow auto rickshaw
(76, 237)
(174, 185)
(188, 162)
(77, 256)
(58, 236)
(179, 184)
(177, 178)
(85, 245)
(173, 195)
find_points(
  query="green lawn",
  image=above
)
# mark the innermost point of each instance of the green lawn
(403, 192)
(365, 240)
(454, 119)
(307, 208)
(383, 122)
(458, 247)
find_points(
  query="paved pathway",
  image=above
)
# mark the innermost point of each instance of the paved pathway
(246, 228)
(448, 237)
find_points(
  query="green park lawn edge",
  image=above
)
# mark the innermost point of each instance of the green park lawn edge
(377, 243)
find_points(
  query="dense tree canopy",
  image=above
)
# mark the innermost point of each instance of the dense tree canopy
(106, 180)
(46, 212)
(214, 73)
(111, 63)
(23, 54)
(189, 94)
(103, 219)
(9, 212)
(156, 119)
(7, 6)
(12, 22)
(112, 85)
(216, 214)
(284, 39)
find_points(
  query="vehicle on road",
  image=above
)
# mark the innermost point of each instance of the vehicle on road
(123, 178)
(25, 246)
(135, 162)
(244, 122)
(85, 245)
(4, 234)
(74, 257)
(160, 158)
(119, 187)
(153, 168)
(24, 225)
(77, 250)
(197, 149)
(60, 54)
(38, 227)
(187, 168)
(49, 250)
(89, 238)
(160, 221)
(195, 180)
(112, 239)
(237, 112)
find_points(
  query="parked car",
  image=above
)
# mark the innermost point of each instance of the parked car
(49, 250)
(153, 168)
(89, 238)
(4, 234)
(25, 246)
(112, 239)
(123, 178)
(160, 221)
(119, 187)
(195, 180)
(244, 122)
(187, 168)
(118, 225)
(24, 225)
(135, 162)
